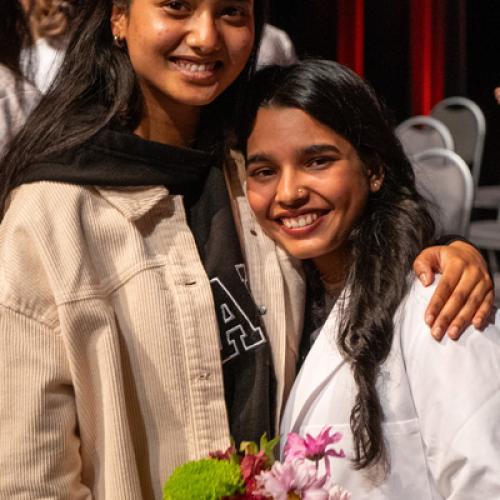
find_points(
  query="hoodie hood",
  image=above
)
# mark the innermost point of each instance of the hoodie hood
(119, 158)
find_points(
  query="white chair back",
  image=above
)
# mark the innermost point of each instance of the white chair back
(445, 180)
(467, 125)
(419, 133)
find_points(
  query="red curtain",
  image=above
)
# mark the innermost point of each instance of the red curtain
(427, 49)
(351, 34)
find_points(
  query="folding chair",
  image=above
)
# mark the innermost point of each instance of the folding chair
(467, 125)
(446, 181)
(419, 133)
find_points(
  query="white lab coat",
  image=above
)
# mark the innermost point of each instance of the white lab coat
(441, 402)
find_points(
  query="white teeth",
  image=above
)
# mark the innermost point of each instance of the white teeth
(195, 68)
(301, 221)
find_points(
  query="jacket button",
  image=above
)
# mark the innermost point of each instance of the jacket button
(253, 232)
(262, 310)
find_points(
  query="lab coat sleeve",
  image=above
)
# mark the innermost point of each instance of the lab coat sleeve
(455, 386)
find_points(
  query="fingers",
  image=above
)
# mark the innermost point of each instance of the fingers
(463, 318)
(464, 293)
(480, 319)
(426, 277)
(464, 304)
(440, 298)
(424, 265)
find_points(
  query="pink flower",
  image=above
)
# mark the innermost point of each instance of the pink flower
(246, 496)
(297, 478)
(312, 448)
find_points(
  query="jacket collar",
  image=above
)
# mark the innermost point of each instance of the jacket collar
(133, 202)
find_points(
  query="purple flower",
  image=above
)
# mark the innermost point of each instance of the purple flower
(313, 448)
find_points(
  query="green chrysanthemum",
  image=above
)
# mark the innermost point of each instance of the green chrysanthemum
(205, 479)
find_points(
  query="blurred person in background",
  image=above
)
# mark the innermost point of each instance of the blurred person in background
(276, 48)
(17, 95)
(50, 22)
(496, 93)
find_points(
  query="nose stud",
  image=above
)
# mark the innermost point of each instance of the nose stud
(300, 191)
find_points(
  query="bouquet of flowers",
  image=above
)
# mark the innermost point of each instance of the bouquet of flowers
(253, 473)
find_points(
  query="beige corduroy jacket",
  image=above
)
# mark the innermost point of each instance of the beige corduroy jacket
(110, 372)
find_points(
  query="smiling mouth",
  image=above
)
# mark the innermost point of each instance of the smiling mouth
(195, 68)
(300, 221)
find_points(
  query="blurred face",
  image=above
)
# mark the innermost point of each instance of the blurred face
(305, 183)
(186, 51)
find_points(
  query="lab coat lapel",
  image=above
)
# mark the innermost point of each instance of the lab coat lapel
(320, 366)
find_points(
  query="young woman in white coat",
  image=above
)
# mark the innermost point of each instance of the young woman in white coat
(329, 182)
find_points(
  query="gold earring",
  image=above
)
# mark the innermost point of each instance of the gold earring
(118, 42)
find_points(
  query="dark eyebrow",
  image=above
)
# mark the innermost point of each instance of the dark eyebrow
(314, 149)
(258, 158)
(320, 148)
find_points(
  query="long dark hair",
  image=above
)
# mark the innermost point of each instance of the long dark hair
(394, 227)
(14, 35)
(97, 85)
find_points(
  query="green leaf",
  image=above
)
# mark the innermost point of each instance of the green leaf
(268, 447)
(249, 448)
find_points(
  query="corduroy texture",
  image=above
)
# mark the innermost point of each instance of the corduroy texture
(109, 349)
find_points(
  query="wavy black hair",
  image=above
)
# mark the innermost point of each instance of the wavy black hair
(394, 228)
(96, 86)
